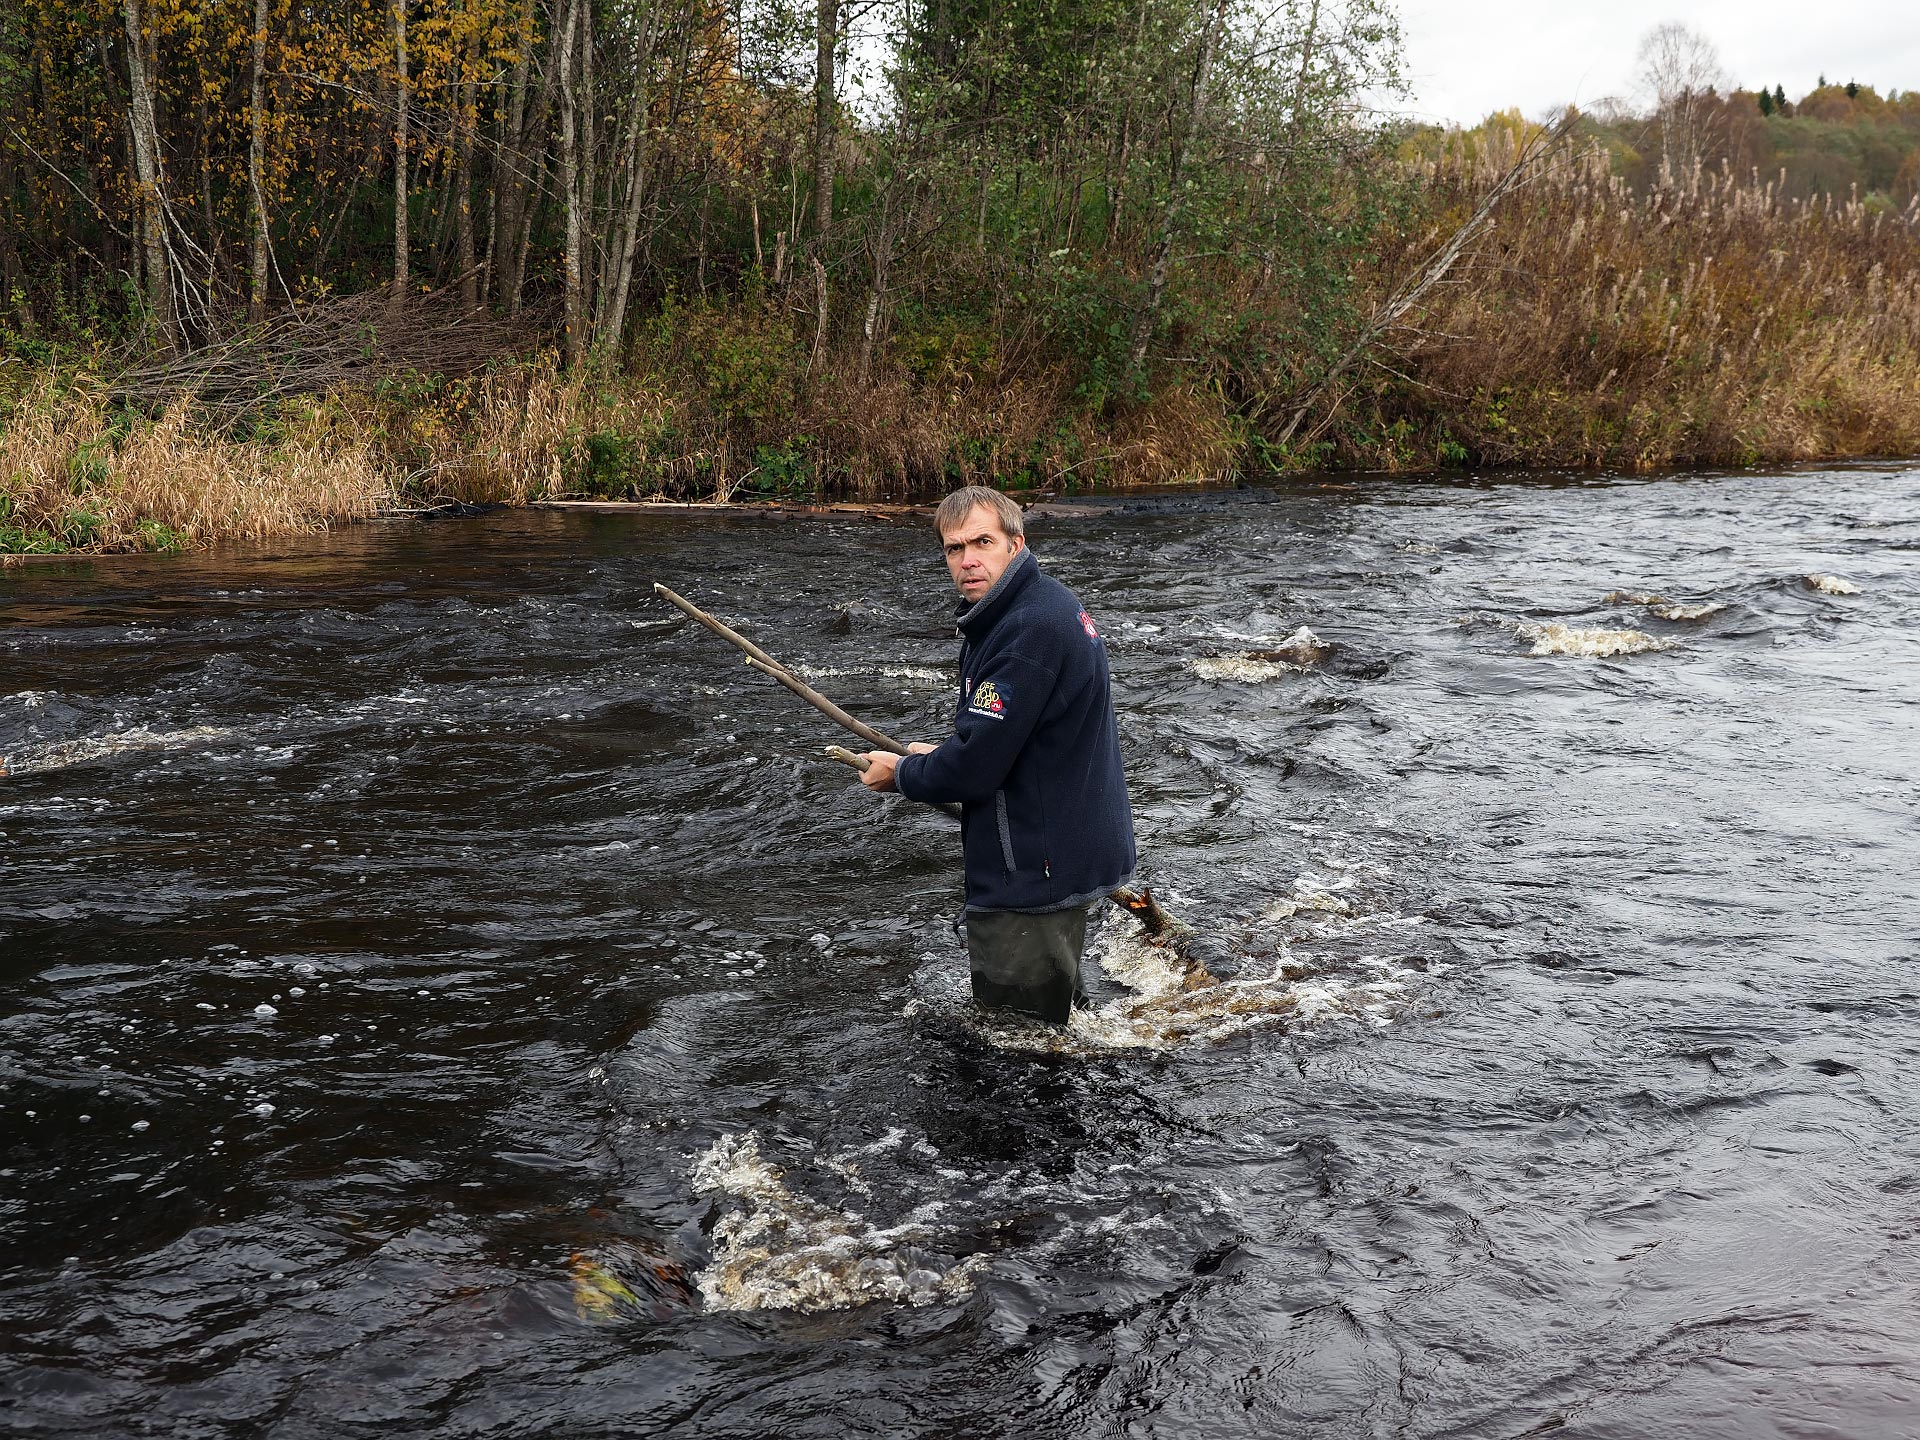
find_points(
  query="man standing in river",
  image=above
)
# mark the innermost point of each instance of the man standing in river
(1034, 763)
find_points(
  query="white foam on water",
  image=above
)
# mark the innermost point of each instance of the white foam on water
(1306, 897)
(1832, 585)
(1666, 611)
(921, 674)
(59, 754)
(1554, 638)
(1289, 655)
(1302, 639)
(1662, 608)
(1174, 1004)
(781, 1250)
(1244, 668)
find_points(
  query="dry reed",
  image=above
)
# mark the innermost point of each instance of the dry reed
(1709, 321)
(73, 475)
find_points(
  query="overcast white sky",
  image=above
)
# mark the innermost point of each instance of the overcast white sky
(1466, 58)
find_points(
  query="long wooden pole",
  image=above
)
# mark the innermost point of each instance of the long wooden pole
(1138, 903)
(767, 665)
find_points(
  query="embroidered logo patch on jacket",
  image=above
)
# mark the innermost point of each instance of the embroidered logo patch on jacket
(986, 701)
(1086, 624)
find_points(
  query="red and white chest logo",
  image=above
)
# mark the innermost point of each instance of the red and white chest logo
(1086, 624)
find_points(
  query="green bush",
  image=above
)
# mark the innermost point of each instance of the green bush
(17, 541)
(81, 528)
(948, 352)
(158, 539)
(746, 364)
(785, 470)
(613, 465)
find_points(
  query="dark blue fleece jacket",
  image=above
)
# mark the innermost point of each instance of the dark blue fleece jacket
(1034, 759)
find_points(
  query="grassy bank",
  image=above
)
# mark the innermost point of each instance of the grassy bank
(1714, 322)
(76, 475)
(725, 412)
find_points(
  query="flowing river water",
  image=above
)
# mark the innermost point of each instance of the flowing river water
(446, 995)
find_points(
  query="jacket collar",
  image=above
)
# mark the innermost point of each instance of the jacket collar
(975, 618)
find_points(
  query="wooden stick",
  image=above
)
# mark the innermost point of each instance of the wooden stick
(725, 632)
(1138, 903)
(826, 707)
(862, 764)
(763, 662)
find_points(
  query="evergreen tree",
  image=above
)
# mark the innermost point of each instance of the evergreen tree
(1766, 102)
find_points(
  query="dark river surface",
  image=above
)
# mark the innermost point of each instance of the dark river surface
(444, 996)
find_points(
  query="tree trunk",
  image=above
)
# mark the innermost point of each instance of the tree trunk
(820, 316)
(530, 171)
(570, 185)
(483, 285)
(700, 244)
(980, 219)
(256, 169)
(152, 180)
(401, 97)
(463, 199)
(441, 207)
(1161, 263)
(13, 294)
(877, 294)
(627, 246)
(203, 141)
(586, 157)
(826, 38)
(509, 162)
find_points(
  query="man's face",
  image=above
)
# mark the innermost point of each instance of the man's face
(977, 551)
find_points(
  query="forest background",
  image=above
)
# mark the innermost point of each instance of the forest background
(267, 266)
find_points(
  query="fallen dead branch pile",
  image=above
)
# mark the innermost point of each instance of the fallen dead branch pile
(353, 340)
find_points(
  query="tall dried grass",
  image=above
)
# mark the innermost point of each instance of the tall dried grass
(1711, 320)
(74, 474)
(901, 438)
(77, 473)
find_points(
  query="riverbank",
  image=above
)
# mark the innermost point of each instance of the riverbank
(1711, 323)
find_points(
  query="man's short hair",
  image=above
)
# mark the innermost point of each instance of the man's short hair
(961, 503)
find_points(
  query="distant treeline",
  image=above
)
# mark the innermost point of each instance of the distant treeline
(1847, 140)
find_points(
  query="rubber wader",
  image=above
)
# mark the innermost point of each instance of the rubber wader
(1028, 962)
